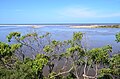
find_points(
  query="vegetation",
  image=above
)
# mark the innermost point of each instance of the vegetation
(118, 37)
(108, 26)
(39, 57)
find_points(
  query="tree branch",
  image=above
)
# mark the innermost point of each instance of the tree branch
(60, 73)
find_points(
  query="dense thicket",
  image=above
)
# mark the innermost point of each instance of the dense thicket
(39, 57)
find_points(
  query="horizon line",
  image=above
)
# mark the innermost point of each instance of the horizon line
(55, 23)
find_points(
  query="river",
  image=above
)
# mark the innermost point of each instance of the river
(94, 37)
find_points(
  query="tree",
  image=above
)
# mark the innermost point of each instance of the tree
(118, 37)
(45, 52)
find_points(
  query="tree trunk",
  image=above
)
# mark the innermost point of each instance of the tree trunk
(96, 68)
(85, 71)
(76, 74)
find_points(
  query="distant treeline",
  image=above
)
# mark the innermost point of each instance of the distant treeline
(108, 26)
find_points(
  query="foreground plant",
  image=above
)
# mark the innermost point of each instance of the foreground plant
(30, 55)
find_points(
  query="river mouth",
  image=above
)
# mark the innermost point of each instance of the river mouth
(94, 37)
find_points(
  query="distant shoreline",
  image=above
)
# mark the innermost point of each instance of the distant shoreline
(74, 24)
(70, 26)
(97, 26)
(90, 26)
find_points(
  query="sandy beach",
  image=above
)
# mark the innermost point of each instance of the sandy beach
(90, 26)
(96, 26)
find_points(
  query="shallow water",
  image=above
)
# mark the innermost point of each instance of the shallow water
(95, 37)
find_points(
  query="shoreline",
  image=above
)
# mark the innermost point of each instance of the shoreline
(70, 26)
(96, 26)
(90, 26)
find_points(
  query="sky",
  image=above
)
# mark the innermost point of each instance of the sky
(59, 11)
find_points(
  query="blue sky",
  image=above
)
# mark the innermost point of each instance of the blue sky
(59, 11)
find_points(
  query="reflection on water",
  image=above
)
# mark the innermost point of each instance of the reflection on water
(94, 37)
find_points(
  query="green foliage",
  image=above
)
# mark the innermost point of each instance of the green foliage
(115, 64)
(29, 69)
(8, 50)
(39, 62)
(47, 49)
(113, 70)
(70, 76)
(45, 35)
(118, 37)
(6, 73)
(15, 46)
(115, 60)
(5, 49)
(104, 71)
(55, 43)
(70, 52)
(100, 54)
(109, 26)
(51, 75)
(28, 35)
(77, 36)
(13, 34)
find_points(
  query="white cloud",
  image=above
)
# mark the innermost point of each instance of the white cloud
(77, 12)
(86, 13)
(107, 15)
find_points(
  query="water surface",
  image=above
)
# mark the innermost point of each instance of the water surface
(94, 37)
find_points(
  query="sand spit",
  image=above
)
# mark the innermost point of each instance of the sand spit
(96, 26)
(90, 26)
(37, 26)
(33, 26)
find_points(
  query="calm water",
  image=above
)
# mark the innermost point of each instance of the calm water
(95, 37)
